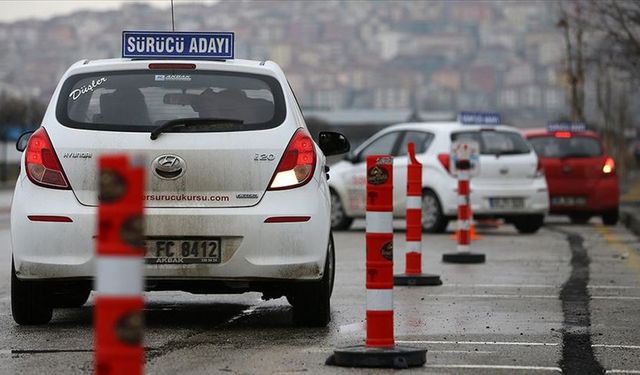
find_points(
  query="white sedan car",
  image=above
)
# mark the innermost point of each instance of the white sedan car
(510, 184)
(230, 165)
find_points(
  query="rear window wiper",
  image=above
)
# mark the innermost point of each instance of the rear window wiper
(191, 121)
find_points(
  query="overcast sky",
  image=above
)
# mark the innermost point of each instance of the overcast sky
(14, 10)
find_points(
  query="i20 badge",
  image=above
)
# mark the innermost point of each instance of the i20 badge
(168, 167)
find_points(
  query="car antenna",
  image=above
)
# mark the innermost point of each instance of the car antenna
(173, 21)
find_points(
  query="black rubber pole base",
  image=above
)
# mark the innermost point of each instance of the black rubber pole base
(463, 257)
(422, 279)
(397, 357)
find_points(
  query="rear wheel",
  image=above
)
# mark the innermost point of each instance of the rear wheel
(610, 217)
(339, 218)
(433, 220)
(580, 218)
(529, 223)
(30, 303)
(311, 301)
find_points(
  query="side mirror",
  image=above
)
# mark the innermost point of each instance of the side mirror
(332, 143)
(23, 139)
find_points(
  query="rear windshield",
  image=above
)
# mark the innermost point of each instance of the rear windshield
(573, 147)
(143, 100)
(494, 142)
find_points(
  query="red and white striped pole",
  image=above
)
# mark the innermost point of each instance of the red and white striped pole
(379, 349)
(413, 268)
(379, 239)
(118, 312)
(464, 254)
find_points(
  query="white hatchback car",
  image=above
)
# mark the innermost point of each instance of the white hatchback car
(229, 162)
(510, 184)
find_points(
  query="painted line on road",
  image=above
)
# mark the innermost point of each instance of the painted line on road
(497, 367)
(515, 343)
(543, 296)
(537, 286)
(611, 346)
(533, 296)
(616, 297)
(616, 371)
(460, 351)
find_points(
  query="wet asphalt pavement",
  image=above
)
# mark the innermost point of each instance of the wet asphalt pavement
(566, 298)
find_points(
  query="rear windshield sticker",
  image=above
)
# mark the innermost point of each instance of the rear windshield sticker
(173, 77)
(75, 94)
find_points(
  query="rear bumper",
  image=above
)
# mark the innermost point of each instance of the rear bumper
(250, 248)
(534, 194)
(601, 195)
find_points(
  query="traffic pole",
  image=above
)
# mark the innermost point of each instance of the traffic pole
(413, 267)
(464, 254)
(473, 234)
(380, 349)
(118, 311)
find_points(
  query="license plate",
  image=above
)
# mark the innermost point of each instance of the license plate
(568, 201)
(182, 251)
(506, 203)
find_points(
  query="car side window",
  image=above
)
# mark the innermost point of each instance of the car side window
(422, 140)
(381, 146)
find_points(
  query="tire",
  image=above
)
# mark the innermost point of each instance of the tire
(70, 299)
(610, 217)
(580, 218)
(339, 218)
(311, 301)
(528, 224)
(433, 220)
(30, 304)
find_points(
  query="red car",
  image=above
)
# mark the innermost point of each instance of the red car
(581, 176)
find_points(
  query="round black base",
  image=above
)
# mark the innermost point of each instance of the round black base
(423, 279)
(398, 357)
(463, 257)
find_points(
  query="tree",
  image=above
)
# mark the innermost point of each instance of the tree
(572, 25)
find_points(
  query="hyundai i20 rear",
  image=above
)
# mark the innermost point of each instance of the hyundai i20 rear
(230, 165)
(581, 176)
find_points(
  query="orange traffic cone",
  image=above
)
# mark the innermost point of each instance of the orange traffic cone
(472, 230)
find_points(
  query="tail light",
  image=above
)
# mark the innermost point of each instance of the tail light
(609, 166)
(42, 165)
(445, 161)
(297, 164)
(562, 134)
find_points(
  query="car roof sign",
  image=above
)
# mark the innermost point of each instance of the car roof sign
(178, 45)
(479, 118)
(566, 126)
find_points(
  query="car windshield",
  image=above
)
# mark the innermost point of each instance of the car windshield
(573, 147)
(143, 100)
(494, 142)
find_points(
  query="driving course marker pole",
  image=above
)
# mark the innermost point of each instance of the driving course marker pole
(463, 167)
(119, 279)
(379, 349)
(413, 268)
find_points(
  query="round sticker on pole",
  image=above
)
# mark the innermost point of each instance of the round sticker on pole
(465, 156)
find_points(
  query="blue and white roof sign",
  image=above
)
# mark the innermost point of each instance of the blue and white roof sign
(479, 118)
(173, 44)
(566, 126)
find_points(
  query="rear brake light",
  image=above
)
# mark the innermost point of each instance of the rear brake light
(297, 164)
(609, 166)
(562, 134)
(42, 165)
(172, 66)
(445, 161)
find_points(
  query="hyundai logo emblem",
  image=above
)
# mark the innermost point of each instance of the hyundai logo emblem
(168, 167)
